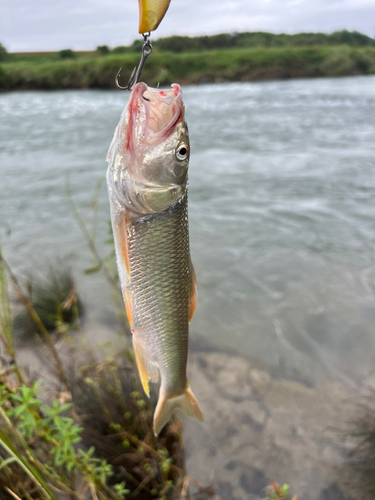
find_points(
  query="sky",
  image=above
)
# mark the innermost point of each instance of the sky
(48, 25)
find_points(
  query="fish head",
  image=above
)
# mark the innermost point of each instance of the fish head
(150, 150)
(157, 136)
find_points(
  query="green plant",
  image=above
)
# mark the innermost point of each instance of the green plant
(111, 406)
(54, 436)
(38, 440)
(67, 54)
(3, 53)
(277, 492)
(103, 50)
(15, 458)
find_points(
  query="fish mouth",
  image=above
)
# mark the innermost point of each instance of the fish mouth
(155, 111)
(163, 109)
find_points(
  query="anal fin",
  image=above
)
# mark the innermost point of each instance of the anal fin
(148, 370)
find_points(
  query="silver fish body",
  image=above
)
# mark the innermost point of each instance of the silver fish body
(148, 192)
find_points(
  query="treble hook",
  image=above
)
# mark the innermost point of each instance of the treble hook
(136, 73)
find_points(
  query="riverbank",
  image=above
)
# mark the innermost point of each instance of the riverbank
(210, 66)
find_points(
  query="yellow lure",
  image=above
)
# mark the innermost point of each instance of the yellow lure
(151, 13)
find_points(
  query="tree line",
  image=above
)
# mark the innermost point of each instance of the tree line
(246, 40)
(252, 40)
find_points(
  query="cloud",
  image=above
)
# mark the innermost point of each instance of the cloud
(44, 25)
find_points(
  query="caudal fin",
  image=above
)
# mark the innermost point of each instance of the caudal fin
(167, 404)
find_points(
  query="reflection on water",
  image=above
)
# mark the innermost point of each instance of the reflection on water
(282, 189)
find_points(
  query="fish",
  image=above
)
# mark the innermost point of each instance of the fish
(147, 180)
(151, 13)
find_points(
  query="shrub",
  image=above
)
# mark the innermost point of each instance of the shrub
(120, 49)
(67, 54)
(103, 50)
(339, 63)
(3, 53)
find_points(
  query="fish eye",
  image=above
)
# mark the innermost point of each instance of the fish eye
(182, 152)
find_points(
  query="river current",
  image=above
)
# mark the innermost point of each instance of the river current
(281, 205)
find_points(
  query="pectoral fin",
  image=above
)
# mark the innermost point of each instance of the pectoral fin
(148, 370)
(128, 305)
(193, 295)
(122, 234)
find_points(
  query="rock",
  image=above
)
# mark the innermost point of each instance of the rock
(225, 489)
(253, 481)
(332, 492)
(260, 380)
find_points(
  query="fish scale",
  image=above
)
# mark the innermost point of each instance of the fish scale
(160, 281)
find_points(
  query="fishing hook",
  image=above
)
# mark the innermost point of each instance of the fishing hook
(136, 73)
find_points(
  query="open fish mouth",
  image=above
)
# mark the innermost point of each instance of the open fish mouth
(153, 113)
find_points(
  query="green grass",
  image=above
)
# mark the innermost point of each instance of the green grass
(88, 71)
(46, 57)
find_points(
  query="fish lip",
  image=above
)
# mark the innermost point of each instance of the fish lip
(133, 108)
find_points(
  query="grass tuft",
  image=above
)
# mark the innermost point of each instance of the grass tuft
(53, 295)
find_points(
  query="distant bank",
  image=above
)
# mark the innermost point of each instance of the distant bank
(236, 57)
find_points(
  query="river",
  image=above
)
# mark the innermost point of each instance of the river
(282, 212)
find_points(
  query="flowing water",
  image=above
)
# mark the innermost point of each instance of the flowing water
(282, 211)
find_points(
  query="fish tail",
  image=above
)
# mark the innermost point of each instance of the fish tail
(186, 402)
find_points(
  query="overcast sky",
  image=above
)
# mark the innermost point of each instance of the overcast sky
(38, 25)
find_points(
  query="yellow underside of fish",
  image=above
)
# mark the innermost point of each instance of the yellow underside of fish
(151, 13)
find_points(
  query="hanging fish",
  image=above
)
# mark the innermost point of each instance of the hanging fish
(148, 192)
(151, 13)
